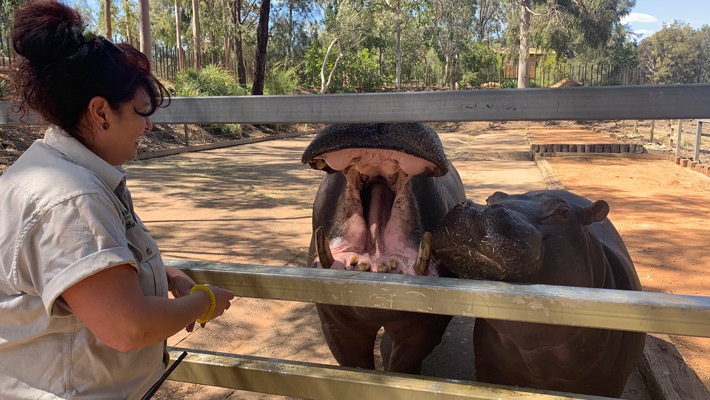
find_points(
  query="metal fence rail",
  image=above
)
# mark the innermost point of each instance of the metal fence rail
(637, 311)
(557, 305)
(575, 103)
(327, 382)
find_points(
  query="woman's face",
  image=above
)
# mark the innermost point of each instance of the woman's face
(119, 143)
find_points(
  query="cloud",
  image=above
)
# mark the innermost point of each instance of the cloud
(639, 17)
(644, 32)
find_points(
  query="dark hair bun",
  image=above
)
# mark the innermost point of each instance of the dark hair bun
(46, 32)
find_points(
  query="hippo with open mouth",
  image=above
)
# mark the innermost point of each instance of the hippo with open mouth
(387, 188)
(544, 237)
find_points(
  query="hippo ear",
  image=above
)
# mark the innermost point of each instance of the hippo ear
(596, 212)
(497, 196)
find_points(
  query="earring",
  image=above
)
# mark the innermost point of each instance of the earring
(104, 126)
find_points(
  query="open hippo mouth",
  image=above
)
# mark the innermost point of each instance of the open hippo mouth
(488, 242)
(375, 224)
(379, 214)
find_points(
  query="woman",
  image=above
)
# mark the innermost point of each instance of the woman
(84, 305)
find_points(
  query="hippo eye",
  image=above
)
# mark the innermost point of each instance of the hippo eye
(563, 212)
(558, 215)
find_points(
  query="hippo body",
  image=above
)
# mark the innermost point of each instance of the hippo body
(544, 237)
(387, 187)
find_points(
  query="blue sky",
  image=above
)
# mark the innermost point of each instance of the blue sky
(648, 16)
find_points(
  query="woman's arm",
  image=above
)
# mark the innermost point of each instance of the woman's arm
(110, 303)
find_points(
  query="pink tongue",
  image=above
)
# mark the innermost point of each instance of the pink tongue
(381, 199)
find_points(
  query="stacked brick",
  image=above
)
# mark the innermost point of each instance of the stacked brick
(550, 149)
(695, 166)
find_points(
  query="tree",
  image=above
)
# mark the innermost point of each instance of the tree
(196, 34)
(178, 36)
(107, 19)
(347, 24)
(523, 56)
(243, 21)
(673, 54)
(7, 10)
(145, 37)
(488, 19)
(569, 27)
(262, 37)
(403, 16)
(452, 23)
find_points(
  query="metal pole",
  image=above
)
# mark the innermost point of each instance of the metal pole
(698, 136)
(680, 134)
(653, 128)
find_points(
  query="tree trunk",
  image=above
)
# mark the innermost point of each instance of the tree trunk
(146, 41)
(107, 19)
(398, 53)
(289, 54)
(447, 63)
(196, 34)
(524, 55)
(238, 44)
(330, 75)
(178, 37)
(323, 84)
(262, 38)
(127, 11)
(227, 42)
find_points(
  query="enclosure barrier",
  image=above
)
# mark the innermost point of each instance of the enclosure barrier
(698, 137)
(602, 308)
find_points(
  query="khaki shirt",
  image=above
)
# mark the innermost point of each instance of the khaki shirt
(65, 214)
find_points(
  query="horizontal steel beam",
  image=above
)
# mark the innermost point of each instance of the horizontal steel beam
(326, 382)
(575, 103)
(557, 305)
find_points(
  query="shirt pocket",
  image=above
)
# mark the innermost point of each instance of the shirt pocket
(151, 272)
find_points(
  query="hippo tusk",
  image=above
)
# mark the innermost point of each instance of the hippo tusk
(323, 249)
(423, 255)
(382, 267)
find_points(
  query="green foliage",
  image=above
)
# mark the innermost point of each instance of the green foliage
(674, 54)
(313, 61)
(281, 80)
(4, 88)
(211, 80)
(361, 70)
(509, 84)
(513, 84)
(480, 65)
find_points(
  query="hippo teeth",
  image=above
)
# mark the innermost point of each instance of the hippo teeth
(423, 255)
(323, 249)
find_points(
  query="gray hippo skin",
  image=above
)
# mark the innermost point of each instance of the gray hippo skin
(544, 237)
(387, 187)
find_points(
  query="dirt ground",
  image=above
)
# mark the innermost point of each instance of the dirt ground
(661, 210)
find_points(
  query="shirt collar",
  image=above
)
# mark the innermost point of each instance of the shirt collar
(60, 140)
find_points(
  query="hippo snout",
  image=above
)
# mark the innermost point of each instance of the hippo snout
(491, 242)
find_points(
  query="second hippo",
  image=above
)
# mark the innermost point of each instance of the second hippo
(544, 237)
(387, 188)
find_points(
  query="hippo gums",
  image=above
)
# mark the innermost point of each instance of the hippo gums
(387, 188)
(544, 237)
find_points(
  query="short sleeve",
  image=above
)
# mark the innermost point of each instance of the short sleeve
(73, 240)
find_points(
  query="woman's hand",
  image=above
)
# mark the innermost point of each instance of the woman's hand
(180, 285)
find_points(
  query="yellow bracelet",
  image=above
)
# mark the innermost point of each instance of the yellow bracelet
(213, 302)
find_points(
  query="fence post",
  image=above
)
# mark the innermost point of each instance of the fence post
(187, 136)
(698, 136)
(653, 128)
(680, 134)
